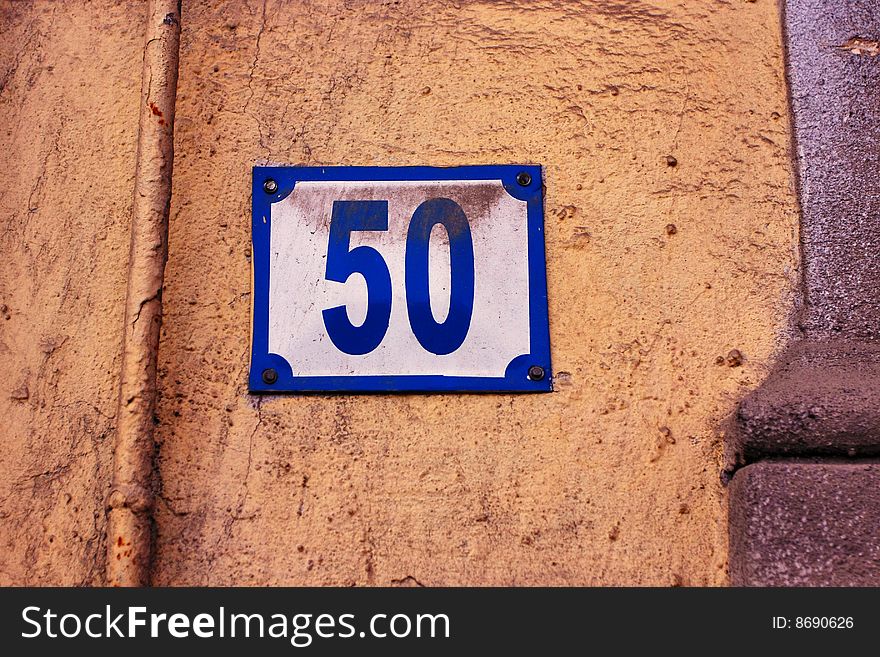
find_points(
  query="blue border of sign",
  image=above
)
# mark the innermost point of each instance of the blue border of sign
(516, 377)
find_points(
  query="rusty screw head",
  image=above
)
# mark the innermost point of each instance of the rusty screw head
(270, 186)
(270, 376)
(523, 179)
(536, 373)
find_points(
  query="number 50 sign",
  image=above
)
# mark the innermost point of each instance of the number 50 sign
(399, 279)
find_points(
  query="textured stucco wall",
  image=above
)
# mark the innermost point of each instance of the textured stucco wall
(69, 81)
(613, 479)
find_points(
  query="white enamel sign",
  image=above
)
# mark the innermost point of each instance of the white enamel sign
(399, 279)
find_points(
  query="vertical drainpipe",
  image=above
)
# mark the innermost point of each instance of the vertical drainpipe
(805, 496)
(130, 503)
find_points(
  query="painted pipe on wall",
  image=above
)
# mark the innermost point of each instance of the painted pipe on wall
(130, 503)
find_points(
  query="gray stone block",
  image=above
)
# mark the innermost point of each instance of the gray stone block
(805, 524)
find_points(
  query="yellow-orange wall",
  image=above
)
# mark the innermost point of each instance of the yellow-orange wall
(612, 479)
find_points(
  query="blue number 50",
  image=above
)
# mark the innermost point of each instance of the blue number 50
(437, 337)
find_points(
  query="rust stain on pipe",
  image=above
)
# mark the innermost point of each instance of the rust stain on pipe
(129, 522)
